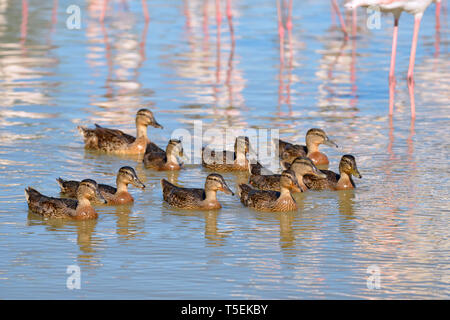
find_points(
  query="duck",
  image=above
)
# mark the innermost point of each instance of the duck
(117, 142)
(262, 181)
(314, 137)
(271, 200)
(168, 160)
(301, 166)
(113, 196)
(227, 160)
(199, 199)
(334, 181)
(79, 209)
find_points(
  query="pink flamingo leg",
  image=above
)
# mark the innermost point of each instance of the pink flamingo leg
(341, 19)
(280, 32)
(354, 23)
(145, 10)
(412, 59)
(103, 12)
(23, 26)
(438, 15)
(392, 68)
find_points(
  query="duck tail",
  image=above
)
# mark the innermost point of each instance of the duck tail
(31, 194)
(166, 187)
(83, 130)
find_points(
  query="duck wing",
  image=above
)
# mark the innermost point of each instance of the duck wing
(155, 159)
(50, 207)
(181, 197)
(328, 183)
(265, 182)
(287, 150)
(105, 139)
(68, 187)
(262, 199)
(153, 148)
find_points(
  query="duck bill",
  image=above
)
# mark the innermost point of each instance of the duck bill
(356, 173)
(319, 174)
(330, 143)
(137, 183)
(156, 125)
(227, 189)
(99, 197)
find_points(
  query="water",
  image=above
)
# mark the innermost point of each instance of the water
(53, 79)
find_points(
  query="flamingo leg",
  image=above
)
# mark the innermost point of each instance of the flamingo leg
(392, 68)
(280, 32)
(103, 12)
(412, 59)
(145, 10)
(341, 19)
(438, 15)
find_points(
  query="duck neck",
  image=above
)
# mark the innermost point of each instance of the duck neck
(83, 202)
(312, 147)
(284, 192)
(211, 195)
(345, 181)
(171, 157)
(121, 186)
(240, 157)
(141, 131)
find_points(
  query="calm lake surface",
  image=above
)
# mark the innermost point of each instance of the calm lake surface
(185, 67)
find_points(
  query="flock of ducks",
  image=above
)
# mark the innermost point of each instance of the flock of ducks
(266, 192)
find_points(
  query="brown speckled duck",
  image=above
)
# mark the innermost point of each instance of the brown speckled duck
(301, 166)
(80, 209)
(113, 196)
(200, 199)
(167, 160)
(334, 181)
(118, 142)
(227, 160)
(270, 200)
(314, 137)
(304, 166)
(263, 181)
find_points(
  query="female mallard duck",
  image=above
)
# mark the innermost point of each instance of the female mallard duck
(79, 209)
(227, 160)
(167, 160)
(334, 181)
(263, 181)
(113, 196)
(116, 141)
(301, 166)
(314, 137)
(200, 199)
(270, 200)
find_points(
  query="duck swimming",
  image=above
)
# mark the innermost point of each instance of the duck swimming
(118, 142)
(263, 181)
(227, 160)
(271, 200)
(334, 181)
(200, 199)
(301, 166)
(168, 160)
(80, 209)
(113, 196)
(304, 166)
(314, 137)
